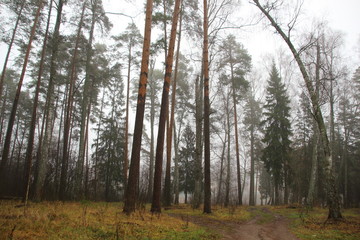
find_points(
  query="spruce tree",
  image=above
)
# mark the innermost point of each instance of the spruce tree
(277, 130)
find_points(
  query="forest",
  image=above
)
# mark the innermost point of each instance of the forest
(173, 109)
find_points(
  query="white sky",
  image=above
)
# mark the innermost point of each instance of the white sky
(341, 15)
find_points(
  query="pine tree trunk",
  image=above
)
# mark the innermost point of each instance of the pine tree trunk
(68, 114)
(252, 168)
(97, 145)
(167, 186)
(152, 135)
(49, 108)
(331, 188)
(228, 168)
(218, 199)
(30, 146)
(236, 135)
(176, 167)
(85, 106)
(196, 201)
(6, 149)
(156, 204)
(131, 189)
(207, 180)
(126, 148)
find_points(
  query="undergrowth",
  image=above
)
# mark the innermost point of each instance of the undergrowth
(90, 220)
(238, 214)
(313, 224)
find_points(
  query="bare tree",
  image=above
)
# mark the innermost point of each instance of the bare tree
(331, 188)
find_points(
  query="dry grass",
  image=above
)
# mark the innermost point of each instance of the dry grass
(313, 224)
(88, 220)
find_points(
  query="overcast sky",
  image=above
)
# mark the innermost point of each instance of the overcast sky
(260, 41)
(342, 16)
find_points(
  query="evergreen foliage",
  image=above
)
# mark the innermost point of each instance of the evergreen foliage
(277, 131)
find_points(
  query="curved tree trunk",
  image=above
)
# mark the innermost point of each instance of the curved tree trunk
(331, 188)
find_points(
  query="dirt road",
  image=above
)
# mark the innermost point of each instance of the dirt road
(265, 225)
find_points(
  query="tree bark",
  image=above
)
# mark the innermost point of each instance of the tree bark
(252, 167)
(131, 188)
(228, 167)
(156, 204)
(196, 201)
(176, 168)
(207, 180)
(218, 199)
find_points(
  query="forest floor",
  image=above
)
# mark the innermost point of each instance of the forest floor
(262, 225)
(274, 223)
(100, 220)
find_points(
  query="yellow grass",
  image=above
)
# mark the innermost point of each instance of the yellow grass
(88, 220)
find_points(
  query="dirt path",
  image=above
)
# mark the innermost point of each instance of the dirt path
(274, 227)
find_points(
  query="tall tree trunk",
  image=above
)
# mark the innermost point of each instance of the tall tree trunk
(152, 134)
(9, 48)
(236, 133)
(331, 188)
(30, 146)
(126, 148)
(156, 204)
(252, 167)
(49, 107)
(130, 195)
(6, 149)
(2, 114)
(68, 114)
(314, 164)
(228, 167)
(207, 180)
(222, 158)
(176, 167)
(198, 139)
(167, 186)
(97, 144)
(85, 106)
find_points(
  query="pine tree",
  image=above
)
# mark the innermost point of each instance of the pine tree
(277, 131)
